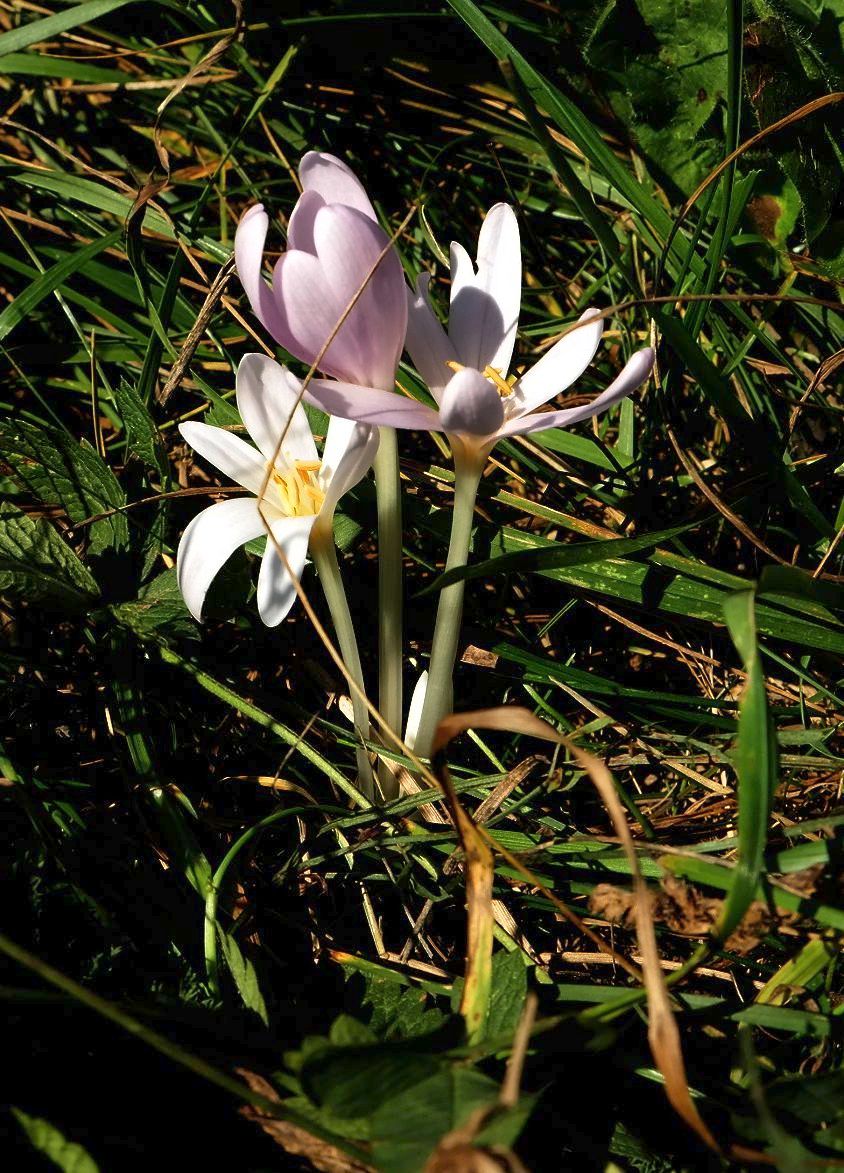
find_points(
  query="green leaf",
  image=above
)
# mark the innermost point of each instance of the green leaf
(159, 611)
(59, 470)
(556, 556)
(37, 565)
(141, 432)
(45, 1138)
(92, 195)
(509, 990)
(755, 763)
(244, 975)
(342, 1078)
(664, 70)
(19, 310)
(51, 26)
(38, 65)
(406, 1128)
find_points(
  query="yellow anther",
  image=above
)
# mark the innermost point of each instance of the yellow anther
(298, 490)
(502, 386)
(454, 366)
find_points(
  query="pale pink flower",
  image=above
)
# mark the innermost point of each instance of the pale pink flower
(333, 241)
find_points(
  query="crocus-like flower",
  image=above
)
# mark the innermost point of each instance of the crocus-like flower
(466, 368)
(302, 490)
(333, 242)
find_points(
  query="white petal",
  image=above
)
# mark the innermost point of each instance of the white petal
(209, 541)
(276, 590)
(417, 702)
(484, 314)
(267, 398)
(349, 451)
(227, 452)
(564, 363)
(471, 404)
(427, 343)
(633, 375)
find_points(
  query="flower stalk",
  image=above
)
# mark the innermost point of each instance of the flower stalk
(388, 490)
(468, 469)
(324, 556)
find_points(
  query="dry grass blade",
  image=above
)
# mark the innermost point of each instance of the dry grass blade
(177, 372)
(663, 1035)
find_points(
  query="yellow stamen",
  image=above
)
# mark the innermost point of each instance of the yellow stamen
(503, 386)
(298, 489)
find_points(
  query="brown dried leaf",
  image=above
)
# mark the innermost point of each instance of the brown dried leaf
(294, 1140)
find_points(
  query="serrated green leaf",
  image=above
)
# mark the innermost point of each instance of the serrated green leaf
(37, 565)
(159, 610)
(59, 470)
(407, 1127)
(45, 1138)
(141, 432)
(244, 976)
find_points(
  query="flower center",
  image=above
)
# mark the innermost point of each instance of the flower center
(298, 488)
(503, 386)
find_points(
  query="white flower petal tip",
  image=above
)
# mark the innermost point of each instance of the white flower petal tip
(227, 452)
(414, 716)
(562, 365)
(276, 586)
(268, 399)
(485, 304)
(471, 404)
(349, 451)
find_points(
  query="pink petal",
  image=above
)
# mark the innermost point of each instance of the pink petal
(484, 314)
(370, 406)
(427, 342)
(564, 363)
(208, 543)
(309, 312)
(248, 255)
(300, 230)
(634, 374)
(349, 245)
(471, 404)
(331, 178)
(276, 589)
(268, 402)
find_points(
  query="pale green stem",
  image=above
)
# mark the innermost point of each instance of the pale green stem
(388, 489)
(439, 696)
(324, 556)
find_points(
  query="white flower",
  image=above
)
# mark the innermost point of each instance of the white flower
(302, 489)
(466, 366)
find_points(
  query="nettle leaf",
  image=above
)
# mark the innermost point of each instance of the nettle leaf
(159, 610)
(45, 1138)
(60, 470)
(141, 432)
(244, 975)
(36, 564)
(664, 69)
(407, 1128)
